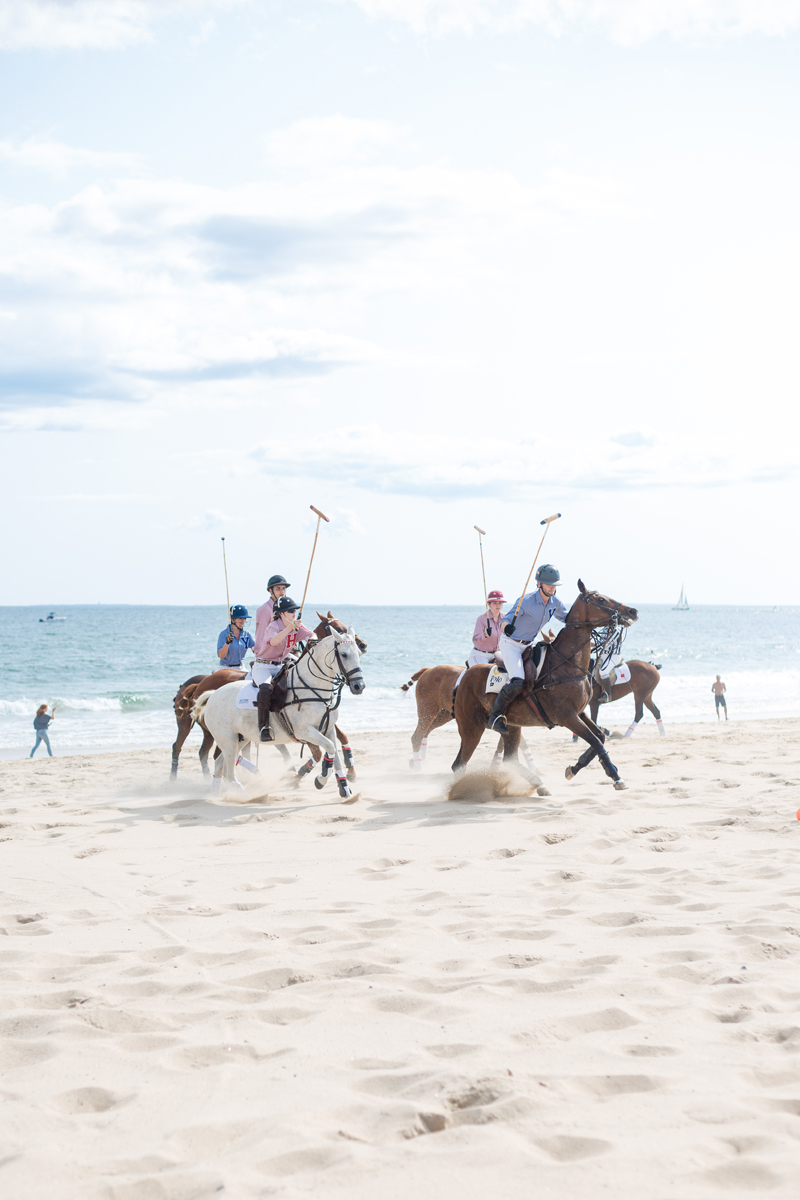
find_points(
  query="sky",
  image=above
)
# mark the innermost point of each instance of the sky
(423, 264)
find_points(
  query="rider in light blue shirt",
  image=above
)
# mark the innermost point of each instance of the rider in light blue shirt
(234, 642)
(536, 609)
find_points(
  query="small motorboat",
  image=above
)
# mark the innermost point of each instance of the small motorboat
(51, 617)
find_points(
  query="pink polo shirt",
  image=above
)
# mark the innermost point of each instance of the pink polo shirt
(263, 619)
(479, 639)
(278, 653)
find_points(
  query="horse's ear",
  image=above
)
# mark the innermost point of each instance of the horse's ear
(338, 636)
(581, 587)
(330, 614)
(321, 616)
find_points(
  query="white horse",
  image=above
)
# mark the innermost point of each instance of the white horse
(312, 685)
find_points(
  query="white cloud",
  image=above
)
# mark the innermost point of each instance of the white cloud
(393, 461)
(92, 24)
(316, 140)
(58, 159)
(625, 21)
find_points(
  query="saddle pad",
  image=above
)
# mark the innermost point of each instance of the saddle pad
(248, 695)
(495, 680)
(623, 673)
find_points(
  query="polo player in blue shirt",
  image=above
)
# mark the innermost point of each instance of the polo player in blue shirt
(518, 631)
(234, 642)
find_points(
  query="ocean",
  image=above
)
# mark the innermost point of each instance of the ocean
(114, 669)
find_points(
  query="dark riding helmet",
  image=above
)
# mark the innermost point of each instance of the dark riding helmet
(548, 574)
(275, 581)
(239, 610)
(285, 604)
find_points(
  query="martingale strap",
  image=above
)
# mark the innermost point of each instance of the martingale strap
(539, 711)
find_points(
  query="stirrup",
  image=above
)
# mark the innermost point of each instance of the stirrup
(265, 734)
(492, 723)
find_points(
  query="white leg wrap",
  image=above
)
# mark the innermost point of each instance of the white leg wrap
(661, 728)
(423, 750)
(416, 760)
(241, 761)
(631, 729)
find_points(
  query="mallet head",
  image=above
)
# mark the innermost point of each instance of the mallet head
(319, 514)
(547, 520)
(482, 531)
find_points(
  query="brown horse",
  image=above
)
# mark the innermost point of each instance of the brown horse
(560, 694)
(643, 682)
(195, 687)
(436, 696)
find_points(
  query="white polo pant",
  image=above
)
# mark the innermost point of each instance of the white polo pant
(479, 656)
(512, 656)
(263, 672)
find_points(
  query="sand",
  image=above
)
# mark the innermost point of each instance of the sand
(594, 993)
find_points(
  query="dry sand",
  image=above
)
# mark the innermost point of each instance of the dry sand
(590, 994)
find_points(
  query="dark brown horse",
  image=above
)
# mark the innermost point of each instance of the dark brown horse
(560, 694)
(643, 682)
(195, 687)
(435, 696)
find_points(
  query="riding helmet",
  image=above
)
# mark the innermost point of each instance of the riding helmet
(285, 604)
(495, 596)
(275, 580)
(239, 610)
(548, 574)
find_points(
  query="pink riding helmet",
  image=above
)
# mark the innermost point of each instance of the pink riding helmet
(495, 596)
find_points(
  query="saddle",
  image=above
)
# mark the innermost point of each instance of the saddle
(533, 660)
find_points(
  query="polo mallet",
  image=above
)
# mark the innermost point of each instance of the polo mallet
(546, 522)
(481, 535)
(320, 517)
(227, 593)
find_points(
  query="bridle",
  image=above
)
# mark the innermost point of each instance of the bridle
(614, 623)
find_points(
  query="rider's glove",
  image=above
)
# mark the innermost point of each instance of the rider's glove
(509, 629)
(228, 640)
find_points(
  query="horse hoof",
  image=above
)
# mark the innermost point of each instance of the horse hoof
(319, 782)
(214, 787)
(415, 764)
(620, 786)
(345, 791)
(569, 773)
(351, 774)
(543, 791)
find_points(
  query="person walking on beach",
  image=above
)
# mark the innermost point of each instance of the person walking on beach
(718, 688)
(40, 723)
(234, 642)
(486, 637)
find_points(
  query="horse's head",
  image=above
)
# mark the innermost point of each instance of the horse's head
(348, 658)
(602, 610)
(329, 623)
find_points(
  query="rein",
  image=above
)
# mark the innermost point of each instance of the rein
(615, 633)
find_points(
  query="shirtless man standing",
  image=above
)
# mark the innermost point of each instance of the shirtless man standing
(718, 688)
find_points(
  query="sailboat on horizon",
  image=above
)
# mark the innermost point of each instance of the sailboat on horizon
(683, 603)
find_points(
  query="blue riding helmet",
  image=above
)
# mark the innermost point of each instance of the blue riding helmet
(238, 611)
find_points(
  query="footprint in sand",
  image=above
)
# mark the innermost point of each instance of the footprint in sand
(86, 1100)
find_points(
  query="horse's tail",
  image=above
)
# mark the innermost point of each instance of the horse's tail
(405, 687)
(199, 706)
(183, 701)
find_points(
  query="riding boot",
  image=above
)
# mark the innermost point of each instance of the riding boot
(605, 684)
(264, 698)
(496, 720)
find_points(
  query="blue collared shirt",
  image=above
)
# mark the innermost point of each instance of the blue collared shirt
(237, 649)
(534, 614)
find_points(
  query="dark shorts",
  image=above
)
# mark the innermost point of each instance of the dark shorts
(720, 700)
